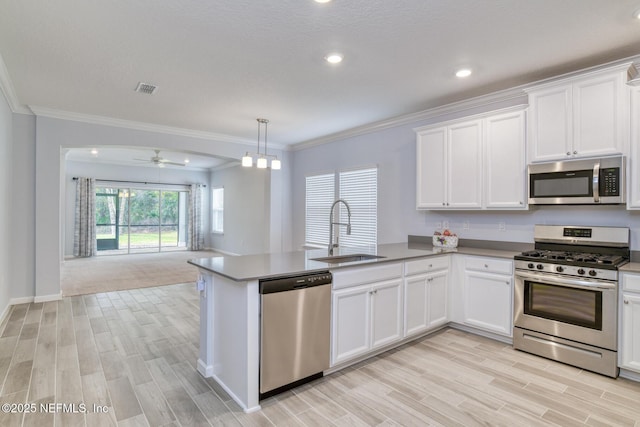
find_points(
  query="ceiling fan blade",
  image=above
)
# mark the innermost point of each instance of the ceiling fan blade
(142, 160)
(166, 162)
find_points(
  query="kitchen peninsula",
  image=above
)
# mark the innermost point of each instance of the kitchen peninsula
(230, 301)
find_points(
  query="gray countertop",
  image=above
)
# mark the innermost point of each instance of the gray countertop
(632, 267)
(252, 267)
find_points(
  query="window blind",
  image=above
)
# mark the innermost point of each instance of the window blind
(320, 195)
(360, 189)
(217, 207)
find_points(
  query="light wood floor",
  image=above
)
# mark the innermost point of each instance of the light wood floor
(134, 352)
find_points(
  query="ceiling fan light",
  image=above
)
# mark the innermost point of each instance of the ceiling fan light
(275, 164)
(160, 164)
(262, 163)
(247, 161)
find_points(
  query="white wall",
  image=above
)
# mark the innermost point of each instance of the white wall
(247, 210)
(393, 150)
(6, 143)
(125, 173)
(23, 204)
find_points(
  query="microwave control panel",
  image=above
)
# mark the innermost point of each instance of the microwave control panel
(609, 182)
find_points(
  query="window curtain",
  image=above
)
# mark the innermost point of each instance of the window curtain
(196, 238)
(84, 237)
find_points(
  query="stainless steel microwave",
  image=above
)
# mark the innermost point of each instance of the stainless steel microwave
(578, 182)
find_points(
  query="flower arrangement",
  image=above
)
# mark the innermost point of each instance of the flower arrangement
(446, 239)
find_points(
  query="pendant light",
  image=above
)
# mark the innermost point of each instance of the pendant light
(261, 158)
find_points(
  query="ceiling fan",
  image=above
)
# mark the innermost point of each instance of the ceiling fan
(160, 161)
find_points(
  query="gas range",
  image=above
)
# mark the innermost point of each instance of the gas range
(566, 295)
(572, 251)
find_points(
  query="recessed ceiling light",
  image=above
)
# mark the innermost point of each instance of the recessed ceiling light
(323, 1)
(465, 72)
(94, 151)
(186, 160)
(334, 58)
(636, 14)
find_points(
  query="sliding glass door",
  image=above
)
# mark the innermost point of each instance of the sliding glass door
(135, 220)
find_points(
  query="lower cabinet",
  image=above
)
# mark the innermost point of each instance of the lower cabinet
(425, 295)
(629, 342)
(488, 294)
(364, 318)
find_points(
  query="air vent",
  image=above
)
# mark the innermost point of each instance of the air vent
(147, 88)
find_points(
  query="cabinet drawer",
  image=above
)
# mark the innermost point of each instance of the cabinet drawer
(344, 278)
(631, 282)
(426, 265)
(490, 265)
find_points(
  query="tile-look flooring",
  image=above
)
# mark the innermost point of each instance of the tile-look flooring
(133, 354)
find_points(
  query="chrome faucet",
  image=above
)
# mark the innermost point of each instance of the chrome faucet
(331, 224)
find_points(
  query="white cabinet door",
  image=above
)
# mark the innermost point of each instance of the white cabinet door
(431, 168)
(437, 289)
(598, 115)
(505, 165)
(415, 308)
(630, 332)
(550, 133)
(386, 313)
(464, 164)
(488, 301)
(633, 178)
(425, 297)
(351, 319)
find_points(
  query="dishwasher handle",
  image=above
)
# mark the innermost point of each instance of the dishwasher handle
(292, 283)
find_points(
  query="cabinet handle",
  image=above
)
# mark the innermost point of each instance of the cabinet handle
(430, 265)
(521, 202)
(575, 152)
(486, 266)
(507, 282)
(443, 203)
(626, 301)
(568, 153)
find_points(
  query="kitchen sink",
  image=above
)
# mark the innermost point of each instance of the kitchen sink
(337, 259)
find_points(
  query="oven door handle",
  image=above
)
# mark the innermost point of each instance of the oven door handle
(571, 283)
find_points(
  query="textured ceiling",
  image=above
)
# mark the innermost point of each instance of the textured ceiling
(220, 64)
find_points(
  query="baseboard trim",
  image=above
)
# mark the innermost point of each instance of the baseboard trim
(21, 300)
(4, 316)
(225, 252)
(47, 298)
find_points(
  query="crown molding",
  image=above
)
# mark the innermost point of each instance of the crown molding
(454, 107)
(142, 126)
(457, 107)
(6, 86)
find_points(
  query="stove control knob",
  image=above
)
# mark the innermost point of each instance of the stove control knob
(559, 269)
(530, 265)
(539, 266)
(592, 272)
(581, 271)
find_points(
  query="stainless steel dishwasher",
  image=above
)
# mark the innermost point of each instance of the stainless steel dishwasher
(295, 327)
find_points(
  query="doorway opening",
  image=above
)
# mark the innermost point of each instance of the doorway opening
(138, 220)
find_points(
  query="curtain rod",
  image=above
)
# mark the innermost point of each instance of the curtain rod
(75, 178)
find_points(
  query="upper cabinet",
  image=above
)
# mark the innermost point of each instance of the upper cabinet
(472, 164)
(578, 117)
(633, 183)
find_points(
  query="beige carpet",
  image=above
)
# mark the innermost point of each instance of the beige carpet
(108, 273)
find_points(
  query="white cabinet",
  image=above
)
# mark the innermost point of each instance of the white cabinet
(365, 316)
(629, 351)
(473, 164)
(633, 177)
(487, 291)
(505, 168)
(449, 166)
(425, 294)
(579, 117)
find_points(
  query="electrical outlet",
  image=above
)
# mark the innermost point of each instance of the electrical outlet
(502, 226)
(438, 226)
(445, 224)
(465, 225)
